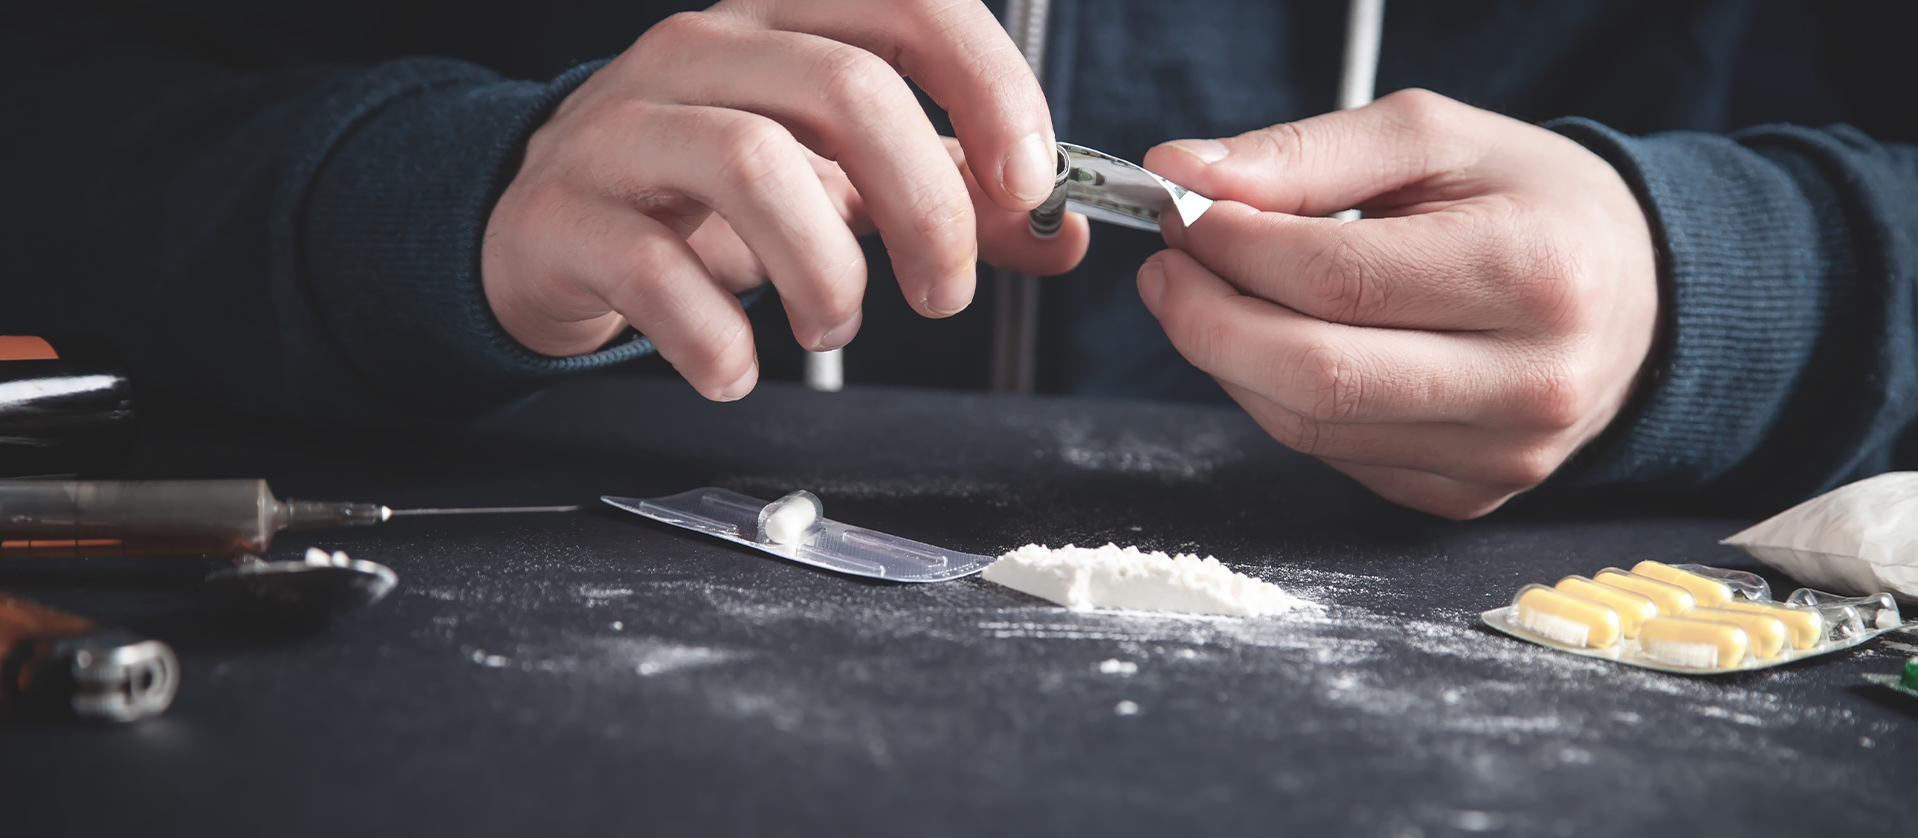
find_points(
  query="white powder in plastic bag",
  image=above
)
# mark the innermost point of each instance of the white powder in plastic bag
(1857, 539)
(1082, 578)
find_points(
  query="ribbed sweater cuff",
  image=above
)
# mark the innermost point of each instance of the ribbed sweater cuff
(1743, 304)
(393, 227)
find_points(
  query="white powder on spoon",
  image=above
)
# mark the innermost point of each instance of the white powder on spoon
(1082, 579)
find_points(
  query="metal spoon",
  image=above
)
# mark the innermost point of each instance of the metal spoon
(317, 587)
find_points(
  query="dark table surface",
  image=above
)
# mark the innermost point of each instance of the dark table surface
(598, 673)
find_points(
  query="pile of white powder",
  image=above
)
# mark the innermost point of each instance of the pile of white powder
(1082, 578)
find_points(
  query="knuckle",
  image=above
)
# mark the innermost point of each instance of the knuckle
(1463, 504)
(1281, 146)
(1525, 466)
(940, 216)
(533, 208)
(1277, 140)
(730, 350)
(1300, 434)
(1206, 340)
(1331, 385)
(1345, 291)
(1199, 332)
(716, 345)
(852, 78)
(839, 300)
(648, 261)
(1418, 110)
(943, 16)
(1427, 122)
(1444, 497)
(1553, 397)
(752, 151)
(681, 28)
(1543, 274)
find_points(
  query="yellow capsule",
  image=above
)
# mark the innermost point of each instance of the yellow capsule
(1709, 592)
(1633, 608)
(1670, 599)
(1696, 644)
(1807, 626)
(1571, 620)
(1767, 633)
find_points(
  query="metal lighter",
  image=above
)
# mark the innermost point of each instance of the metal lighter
(62, 664)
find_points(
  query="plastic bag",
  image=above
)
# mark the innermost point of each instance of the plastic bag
(1856, 539)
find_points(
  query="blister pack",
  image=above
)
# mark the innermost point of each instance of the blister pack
(1690, 619)
(795, 528)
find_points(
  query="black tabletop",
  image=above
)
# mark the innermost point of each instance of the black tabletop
(597, 673)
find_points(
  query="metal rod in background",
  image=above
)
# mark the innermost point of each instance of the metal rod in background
(1015, 322)
(1359, 69)
(1015, 332)
(1026, 23)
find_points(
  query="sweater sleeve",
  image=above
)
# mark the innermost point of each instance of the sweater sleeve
(298, 240)
(1787, 362)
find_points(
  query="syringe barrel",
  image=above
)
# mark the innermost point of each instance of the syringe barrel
(135, 517)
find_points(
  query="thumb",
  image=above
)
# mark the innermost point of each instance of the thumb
(1334, 161)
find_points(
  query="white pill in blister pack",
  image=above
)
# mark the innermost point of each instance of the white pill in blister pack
(1655, 616)
(795, 528)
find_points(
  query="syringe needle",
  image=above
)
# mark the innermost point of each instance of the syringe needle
(482, 510)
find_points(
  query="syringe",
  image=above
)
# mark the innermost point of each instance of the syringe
(149, 517)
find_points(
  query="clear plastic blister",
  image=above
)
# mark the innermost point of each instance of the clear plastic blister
(1690, 619)
(795, 528)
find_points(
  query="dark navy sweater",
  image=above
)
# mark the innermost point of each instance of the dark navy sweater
(279, 206)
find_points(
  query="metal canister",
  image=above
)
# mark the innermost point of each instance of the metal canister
(1051, 215)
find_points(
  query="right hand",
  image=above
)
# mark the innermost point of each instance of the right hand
(1489, 316)
(753, 141)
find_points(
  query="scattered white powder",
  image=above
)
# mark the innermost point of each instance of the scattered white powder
(1083, 578)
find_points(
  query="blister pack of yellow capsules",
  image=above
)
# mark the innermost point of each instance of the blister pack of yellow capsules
(1691, 619)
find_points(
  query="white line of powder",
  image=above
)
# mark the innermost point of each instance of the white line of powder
(1082, 578)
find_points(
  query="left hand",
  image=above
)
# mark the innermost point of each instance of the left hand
(1486, 318)
(749, 143)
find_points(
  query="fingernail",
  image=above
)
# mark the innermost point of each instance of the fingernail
(738, 389)
(1028, 171)
(951, 295)
(1151, 284)
(841, 334)
(946, 301)
(1208, 151)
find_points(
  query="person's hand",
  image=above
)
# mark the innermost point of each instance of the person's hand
(753, 141)
(1487, 317)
